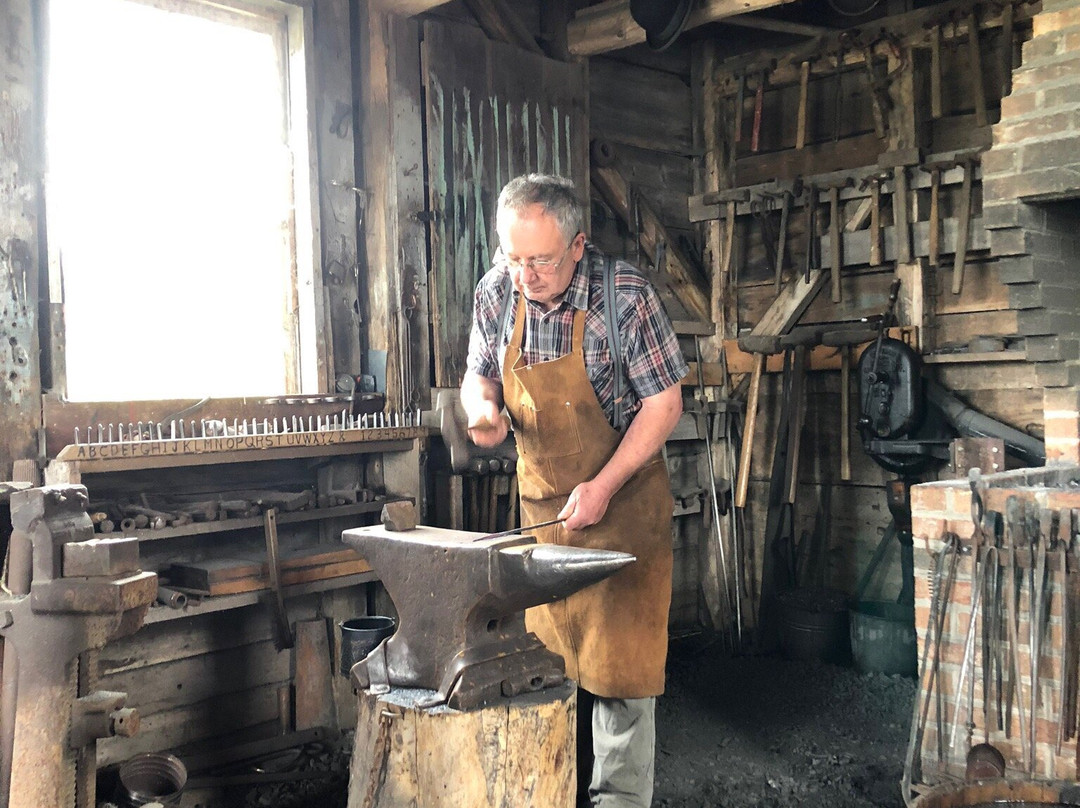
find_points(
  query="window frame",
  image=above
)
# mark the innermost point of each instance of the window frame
(290, 23)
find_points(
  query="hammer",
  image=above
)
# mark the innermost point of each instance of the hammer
(844, 339)
(836, 247)
(935, 168)
(760, 346)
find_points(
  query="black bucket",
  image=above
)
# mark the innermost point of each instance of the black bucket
(883, 637)
(814, 625)
(360, 635)
(151, 777)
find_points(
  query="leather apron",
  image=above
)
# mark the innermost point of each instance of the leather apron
(613, 634)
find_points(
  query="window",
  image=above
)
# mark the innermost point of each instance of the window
(177, 190)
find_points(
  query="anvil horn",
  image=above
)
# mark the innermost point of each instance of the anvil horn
(542, 573)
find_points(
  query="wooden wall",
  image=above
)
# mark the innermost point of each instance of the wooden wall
(841, 139)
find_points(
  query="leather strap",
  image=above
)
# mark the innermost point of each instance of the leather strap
(611, 319)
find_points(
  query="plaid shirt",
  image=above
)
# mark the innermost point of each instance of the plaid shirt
(652, 361)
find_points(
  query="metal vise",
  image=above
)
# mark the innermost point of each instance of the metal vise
(460, 601)
(70, 594)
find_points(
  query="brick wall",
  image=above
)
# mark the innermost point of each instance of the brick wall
(1031, 181)
(941, 511)
(943, 508)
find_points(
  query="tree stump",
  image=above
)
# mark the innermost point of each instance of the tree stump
(519, 751)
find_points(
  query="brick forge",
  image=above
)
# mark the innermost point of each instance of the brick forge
(1031, 184)
(943, 508)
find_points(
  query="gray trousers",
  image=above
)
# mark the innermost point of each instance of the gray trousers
(623, 747)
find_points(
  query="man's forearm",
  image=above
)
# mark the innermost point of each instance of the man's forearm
(644, 437)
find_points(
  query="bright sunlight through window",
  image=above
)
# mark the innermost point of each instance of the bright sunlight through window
(169, 205)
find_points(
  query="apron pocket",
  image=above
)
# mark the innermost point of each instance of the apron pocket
(557, 432)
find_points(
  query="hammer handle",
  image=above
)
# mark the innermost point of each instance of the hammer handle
(743, 481)
(759, 103)
(962, 230)
(834, 241)
(804, 92)
(935, 217)
(875, 224)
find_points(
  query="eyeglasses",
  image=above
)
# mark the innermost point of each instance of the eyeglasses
(541, 266)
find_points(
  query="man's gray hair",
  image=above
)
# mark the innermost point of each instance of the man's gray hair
(557, 196)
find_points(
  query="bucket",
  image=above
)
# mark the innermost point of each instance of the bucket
(883, 637)
(995, 793)
(360, 635)
(151, 777)
(814, 625)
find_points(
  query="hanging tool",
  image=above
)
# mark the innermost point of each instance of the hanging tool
(968, 661)
(836, 246)
(759, 104)
(740, 98)
(781, 240)
(283, 636)
(874, 184)
(730, 199)
(1061, 545)
(974, 67)
(878, 91)
(845, 339)
(935, 170)
(813, 246)
(963, 225)
(761, 208)
(941, 591)
(897, 162)
(713, 498)
(1040, 549)
(804, 93)
(1014, 533)
(760, 347)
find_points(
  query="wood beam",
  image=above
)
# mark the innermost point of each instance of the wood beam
(615, 190)
(762, 23)
(406, 8)
(609, 26)
(502, 24)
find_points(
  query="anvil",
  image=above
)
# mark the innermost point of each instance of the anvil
(461, 602)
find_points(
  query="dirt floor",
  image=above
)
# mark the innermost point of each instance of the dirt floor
(764, 732)
(742, 732)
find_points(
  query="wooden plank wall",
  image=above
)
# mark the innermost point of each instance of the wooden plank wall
(493, 112)
(204, 677)
(854, 513)
(645, 113)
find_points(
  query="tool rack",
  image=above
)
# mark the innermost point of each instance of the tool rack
(396, 448)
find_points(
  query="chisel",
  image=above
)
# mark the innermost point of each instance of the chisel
(515, 531)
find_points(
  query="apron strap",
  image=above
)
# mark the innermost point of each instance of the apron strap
(611, 319)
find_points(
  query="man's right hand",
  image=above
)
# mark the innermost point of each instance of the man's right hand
(487, 426)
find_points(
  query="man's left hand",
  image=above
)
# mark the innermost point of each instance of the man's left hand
(586, 506)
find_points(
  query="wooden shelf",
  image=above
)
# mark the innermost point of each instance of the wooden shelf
(75, 460)
(220, 603)
(224, 525)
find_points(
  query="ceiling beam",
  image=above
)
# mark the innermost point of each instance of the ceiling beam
(608, 26)
(408, 8)
(502, 24)
(779, 26)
